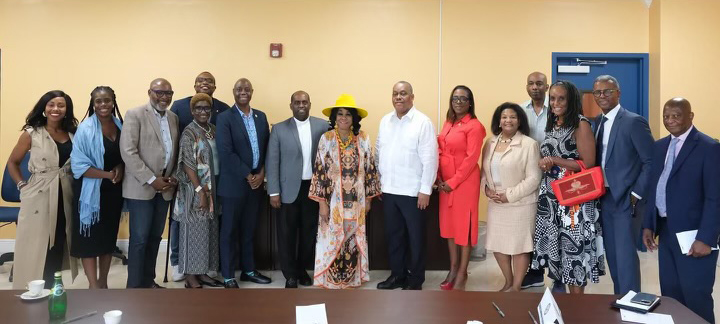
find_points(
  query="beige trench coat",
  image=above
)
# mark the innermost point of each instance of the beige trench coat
(38, 211)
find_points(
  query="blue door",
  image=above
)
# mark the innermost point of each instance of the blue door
(630, 69)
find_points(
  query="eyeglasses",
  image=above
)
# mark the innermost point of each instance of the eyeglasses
(606, 92)
(203, 109)
(161, 93)
(461, 99)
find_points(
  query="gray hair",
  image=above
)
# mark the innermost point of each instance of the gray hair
(608, 78)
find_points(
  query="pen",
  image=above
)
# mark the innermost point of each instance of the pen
(532, 317)
(80, 317)
(498, 310)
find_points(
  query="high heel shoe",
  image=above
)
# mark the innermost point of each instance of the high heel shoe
(447, 285)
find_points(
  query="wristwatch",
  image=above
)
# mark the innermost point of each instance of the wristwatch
(198, 188)
(21, 184)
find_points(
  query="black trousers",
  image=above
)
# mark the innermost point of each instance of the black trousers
(405, 234)
(297, 225)
(237, 225)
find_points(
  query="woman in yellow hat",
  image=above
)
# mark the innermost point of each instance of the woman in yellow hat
(345, 179)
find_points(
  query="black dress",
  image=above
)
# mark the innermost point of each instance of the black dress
(54, 257)
(102, 236)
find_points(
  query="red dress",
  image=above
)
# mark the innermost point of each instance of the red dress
(460, 146)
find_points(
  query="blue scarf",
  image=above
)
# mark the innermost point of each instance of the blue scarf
(88, 151)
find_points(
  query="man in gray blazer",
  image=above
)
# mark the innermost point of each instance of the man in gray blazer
(624, 148)
(289, 166)
(148, 146)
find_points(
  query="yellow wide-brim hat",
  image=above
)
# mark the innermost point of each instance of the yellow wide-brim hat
(345, 101)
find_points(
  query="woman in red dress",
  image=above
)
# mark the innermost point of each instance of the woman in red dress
(460, 144)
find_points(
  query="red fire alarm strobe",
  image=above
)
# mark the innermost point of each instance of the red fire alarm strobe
(275, 50)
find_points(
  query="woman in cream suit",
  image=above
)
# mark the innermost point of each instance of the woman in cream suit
(510, 181)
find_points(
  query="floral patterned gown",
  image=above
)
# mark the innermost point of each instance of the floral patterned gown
(568, 240)
(344, 177)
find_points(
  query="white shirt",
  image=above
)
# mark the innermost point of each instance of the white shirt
(680, 142)
(166, 138)
(537, 122)
(606, 140)
(303, 128)
(606, 132)
(407, 154)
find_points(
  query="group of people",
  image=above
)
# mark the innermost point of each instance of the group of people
(211, 160)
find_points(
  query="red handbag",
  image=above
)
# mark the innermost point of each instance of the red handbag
(579, 187)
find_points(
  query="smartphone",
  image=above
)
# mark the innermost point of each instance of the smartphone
(643, 299)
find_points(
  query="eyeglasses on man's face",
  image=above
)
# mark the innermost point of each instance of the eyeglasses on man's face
(163, 93)
(606, 92)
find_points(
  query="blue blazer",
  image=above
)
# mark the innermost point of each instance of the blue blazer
(693, 188)
(182, 109)
(235, 152)
(628, 156)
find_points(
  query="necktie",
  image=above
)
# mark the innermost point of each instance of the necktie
(599, 142)
(660, 199)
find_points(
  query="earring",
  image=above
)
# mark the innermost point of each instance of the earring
(352, 127)
(44, 114)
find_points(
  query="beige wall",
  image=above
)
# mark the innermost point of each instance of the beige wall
(689, 47)
(356, 46)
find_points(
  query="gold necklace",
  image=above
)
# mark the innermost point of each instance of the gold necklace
(343, 144)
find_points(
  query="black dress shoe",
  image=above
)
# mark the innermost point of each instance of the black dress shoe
(305, 280)
(156, 286)
(392, 283)
(291, 283)
(211, 283)
(255, 276)
(231, 284)
(412, 287)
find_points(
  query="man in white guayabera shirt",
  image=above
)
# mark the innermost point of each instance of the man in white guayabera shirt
(407, 156)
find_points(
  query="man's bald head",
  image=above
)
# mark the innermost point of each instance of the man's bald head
(205, 83)
(536, 86)
(243, 91)
(677, 116)
(300, 105)
(160, 94)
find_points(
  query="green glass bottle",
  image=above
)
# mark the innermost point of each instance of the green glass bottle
(57, 304)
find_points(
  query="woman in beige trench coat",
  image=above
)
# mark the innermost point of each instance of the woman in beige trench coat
(42, 241)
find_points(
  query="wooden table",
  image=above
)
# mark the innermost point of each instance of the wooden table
(346, 306)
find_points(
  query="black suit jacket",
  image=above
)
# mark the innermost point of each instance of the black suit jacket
(235, 151)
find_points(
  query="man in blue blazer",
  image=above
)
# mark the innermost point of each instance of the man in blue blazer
(624, 151)
(683, 195)
(242, 136)
(204, 83)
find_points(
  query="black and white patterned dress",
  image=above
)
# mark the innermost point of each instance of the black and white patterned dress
(568, 240)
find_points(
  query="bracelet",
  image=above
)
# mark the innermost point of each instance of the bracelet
(21, 184)
(198, 188)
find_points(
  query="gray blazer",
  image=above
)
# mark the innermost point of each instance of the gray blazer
(142, 150)
(284, 160)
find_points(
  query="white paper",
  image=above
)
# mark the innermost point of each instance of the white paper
(312, 314)
(686, 239)
(649, 318)
(474, 322)
(548, 309)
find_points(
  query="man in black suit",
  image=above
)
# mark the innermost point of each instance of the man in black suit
(242, 136)
(289, 164)
(204, 83)
(684, 195)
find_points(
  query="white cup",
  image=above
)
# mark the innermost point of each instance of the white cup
(36, 287)
(113, 317)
